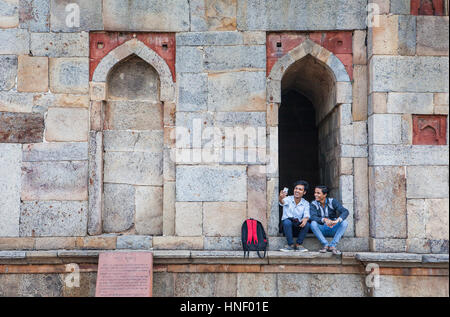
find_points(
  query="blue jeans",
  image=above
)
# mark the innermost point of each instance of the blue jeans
(288, 226)
(322, 231)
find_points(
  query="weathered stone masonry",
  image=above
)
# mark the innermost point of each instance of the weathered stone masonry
(95, 108)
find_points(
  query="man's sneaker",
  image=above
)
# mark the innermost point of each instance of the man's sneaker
(288, 248)
(301, 248)
(324, 249)
(334, 250)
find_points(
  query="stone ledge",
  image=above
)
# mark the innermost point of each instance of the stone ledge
(228, 257)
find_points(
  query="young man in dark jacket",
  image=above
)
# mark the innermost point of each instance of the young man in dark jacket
(327, 219)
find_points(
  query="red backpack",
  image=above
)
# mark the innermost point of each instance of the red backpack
(253, 237)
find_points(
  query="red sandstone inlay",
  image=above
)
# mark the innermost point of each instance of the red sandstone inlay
(101, 43)
(427, 7)
(125, 274)
(430, 129)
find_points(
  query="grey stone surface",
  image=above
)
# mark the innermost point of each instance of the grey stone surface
(69, 75)
(118, 208)
(435, 258)
(407, 34)
(427, 182)
(75, 16)
(412, 286)
(152, 15)
(226, 58)
(416, 103)
(211, 183)
(294, 285)
(399, 74)
(223, 243)
(188, 219)
(215, 214)
(14, 41)
(65, 180)
(213, 15)
(400, 7)
(133, 115)
(140, 168)
(388, 207)
(95, 187)
(408, 155)
(140, 141)
(388, 257)
(10, 164)
(388, 245)
(331, 285)
(60, 44)
(301, 15)
(189, 59)
(216, 38)
(432, 35)
(11, 101)
(53, 218)
(192, 92)
(385, 129)
(194, 285)
(8, 71)
(67, 124)
(149, 210)
(9, 14)
(256, 285)
(34, 15)
(237, 91)
(58, 151)
(134, 242)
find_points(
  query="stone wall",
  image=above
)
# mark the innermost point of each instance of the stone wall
(408, 148)
(215, 64)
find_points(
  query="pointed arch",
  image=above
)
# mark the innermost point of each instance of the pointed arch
(137, 48)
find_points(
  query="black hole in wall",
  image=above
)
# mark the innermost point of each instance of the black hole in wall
(278, 44)
(164, 46)
(298, 143)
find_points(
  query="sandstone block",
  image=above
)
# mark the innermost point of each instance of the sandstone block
(9, 14)
(53, 218)
(381, 6)
(427, 182)
(32, 74)
(256, 284)
(211, 183)
(45, 101)
(77, 151)
(403, 286)
(377, 103)
(69, 75)
(257, 194)
(399, 74)
(344, 93)
(54, 243)
(10, 163)
(67, 124)
(188, 219)
(34, 15)
(387, 188)
(301, 15)
(215, 214)
(432, 35)
(119, 207)
(384, 39)
(16, 243)
(249, 96)
(213, 15)
(96, 242)
(359, 107)
(194, 285)
(178, 243)
(361, 197)
(408, 155)
(75, 16)
(359, 47)
(21, 127)
(140, 168)
(8, 71)
(149, 210)
(95, 187)
(65, 180)
(137, 141)
(14, 41)
(60, 44)
(391, 246)
(169, 209)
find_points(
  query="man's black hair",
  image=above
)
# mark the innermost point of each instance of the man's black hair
(323, 188)
(304, 183)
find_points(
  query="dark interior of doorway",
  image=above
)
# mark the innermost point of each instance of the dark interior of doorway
(298, 143)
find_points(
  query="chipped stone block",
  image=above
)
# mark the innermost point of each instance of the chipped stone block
(188, 219)
(21, 127)
(32, 74)
(8, 71)
(67, 124)
(10, 162)
(60, 180)
(53, 218)
(69, 75)
(149, 210)
(60, 44)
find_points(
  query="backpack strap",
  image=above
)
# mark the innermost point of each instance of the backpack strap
(255, 232)
(250, 231)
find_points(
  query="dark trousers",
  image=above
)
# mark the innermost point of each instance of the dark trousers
(289, 227)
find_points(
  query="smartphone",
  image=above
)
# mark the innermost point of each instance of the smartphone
(286, 190)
